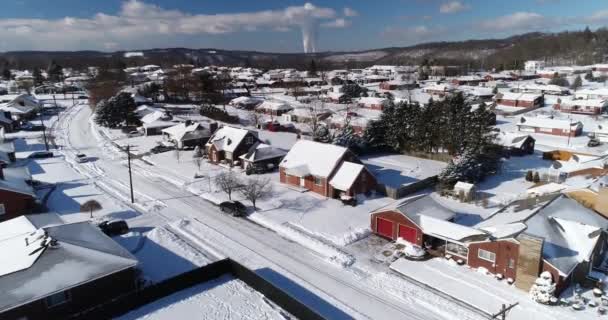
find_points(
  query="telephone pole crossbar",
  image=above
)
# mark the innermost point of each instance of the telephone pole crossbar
(503, 311)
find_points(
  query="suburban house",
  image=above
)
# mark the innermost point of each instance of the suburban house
(228, 144)
(17, 197)
(515, 144)
(188, 134)
(247, 103)
(154, 121)
(306, 114)
(263, 156)
(7, 153)
(6, 121)
(21, 106)
(58, 269)
(522, 100)
(557, 127)
(471, 80)
(499, 77)
(329, 170)
(440, 90)
(590, 106)
(398, 85)
(373, 103)
(273, 108)
(597, 93)
(551, 233)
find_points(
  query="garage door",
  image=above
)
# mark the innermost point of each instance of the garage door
(384, 227)
(408, 234)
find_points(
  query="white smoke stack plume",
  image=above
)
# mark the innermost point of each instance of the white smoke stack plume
(309, 36)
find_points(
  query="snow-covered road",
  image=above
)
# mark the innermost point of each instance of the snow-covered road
(333, 291)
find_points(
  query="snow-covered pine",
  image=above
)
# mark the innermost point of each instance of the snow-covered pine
(543, 289)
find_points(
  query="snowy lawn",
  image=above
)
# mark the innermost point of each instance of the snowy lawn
(510, 182)
(162, 254)
(222, 298)
(481, 290)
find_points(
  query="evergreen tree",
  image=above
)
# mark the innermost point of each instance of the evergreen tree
(38, 79)
(589, 76)
(529, 176)
(6, 74)
(559, 81)
(346, 137)
(312, 67)
(536, 177)
(578, 82)
(117, 111)
(55, 72)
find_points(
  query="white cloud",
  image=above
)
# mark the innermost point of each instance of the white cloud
(415, 34)
(350, 12)
(140, 23)
(452, 7)
(517, 21)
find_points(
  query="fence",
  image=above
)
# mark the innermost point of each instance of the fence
(136, 299)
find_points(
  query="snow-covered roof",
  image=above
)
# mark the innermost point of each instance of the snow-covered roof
(542, 122)
(152, 116)
(447, 230)
(312, 158)
(262, 152)
(465, 186)
(511, 139)
(274, 105)
(81, 253)
(517, 96)
(15, 180)
(372, 100)
(228, 138)
(421, 205)
(180, 131)
(346, 175)
(597, 103)
(245, 100)
(546, 189)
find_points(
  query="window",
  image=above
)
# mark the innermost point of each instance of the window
(456, 249)
(318, 181)
(2, 209)
(57, 299)
(511, 263)
(486, 255)
(249, 140)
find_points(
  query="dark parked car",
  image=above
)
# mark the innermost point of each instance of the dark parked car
(161, 149)
(258, 169)
(41, 155)
(349, 201)
(593, 142)
(235, 208)
(114, 228)
(32, 127)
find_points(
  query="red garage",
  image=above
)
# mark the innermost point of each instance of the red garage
(402, 219)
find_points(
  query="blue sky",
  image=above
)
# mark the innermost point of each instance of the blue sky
(279, 26)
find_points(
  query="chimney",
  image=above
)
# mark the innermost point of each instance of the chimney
(212, 127)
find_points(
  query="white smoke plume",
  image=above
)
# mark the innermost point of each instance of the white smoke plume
(308, 17)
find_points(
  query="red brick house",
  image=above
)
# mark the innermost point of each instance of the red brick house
(227, 144)
(17, 197)
(522, 100)
(589, 106)
(398, 85)
(549, 233)
(329, 170)
(373, 103)
(557, 127)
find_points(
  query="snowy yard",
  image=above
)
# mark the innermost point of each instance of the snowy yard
(482, 291)
(162, 254)
(222, 298)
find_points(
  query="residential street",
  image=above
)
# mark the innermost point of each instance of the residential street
(336, 292)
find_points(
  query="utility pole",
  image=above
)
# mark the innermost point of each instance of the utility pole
(46, 144)
(130, 175)
(503, 311)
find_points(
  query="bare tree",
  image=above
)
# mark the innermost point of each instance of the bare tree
(228, 182)
(90, 206)
(315, 117)
(256, 189)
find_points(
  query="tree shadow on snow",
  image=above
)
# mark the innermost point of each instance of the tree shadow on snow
(303, 295)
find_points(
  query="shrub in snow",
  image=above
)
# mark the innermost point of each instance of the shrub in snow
(510, 280)
(499, 276)
(414, 251)
(543, 288)
(482, 270)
